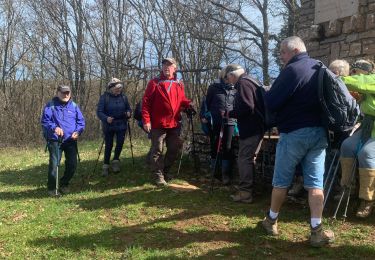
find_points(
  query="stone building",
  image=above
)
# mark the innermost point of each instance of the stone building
(338, 29)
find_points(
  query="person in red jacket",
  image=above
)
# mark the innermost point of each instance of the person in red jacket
(162, 104)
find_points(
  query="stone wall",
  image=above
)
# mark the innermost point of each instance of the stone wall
(348, 38)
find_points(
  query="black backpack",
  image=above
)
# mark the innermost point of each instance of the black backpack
(138, 111)
(340, 109)
(268, 117)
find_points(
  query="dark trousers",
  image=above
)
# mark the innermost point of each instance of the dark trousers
(248, 150)
(173, 142)
(55, 153)
(226, 142)
(108, 139)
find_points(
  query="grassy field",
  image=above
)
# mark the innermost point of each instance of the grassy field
(124, 216)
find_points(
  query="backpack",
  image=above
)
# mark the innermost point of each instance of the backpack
(137, 115)
(204, 113)
(340, 109)
(268, 117)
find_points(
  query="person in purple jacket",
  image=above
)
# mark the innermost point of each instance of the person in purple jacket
(294, 97)
(62, 123)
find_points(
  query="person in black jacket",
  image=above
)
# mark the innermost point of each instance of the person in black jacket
(219, 100)
(250, 127)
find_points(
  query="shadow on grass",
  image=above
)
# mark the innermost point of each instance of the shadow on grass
(247, 243)
(34, 179)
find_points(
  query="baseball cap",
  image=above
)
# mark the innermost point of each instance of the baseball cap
(115, 82)
(363, 65)
(170, 60)
(63, 88)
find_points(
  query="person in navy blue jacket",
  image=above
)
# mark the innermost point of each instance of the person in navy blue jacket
(62, 123)
(114, 111)
(219, 100)
(294, 97)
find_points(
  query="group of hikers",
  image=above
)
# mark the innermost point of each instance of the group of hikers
(234, 106)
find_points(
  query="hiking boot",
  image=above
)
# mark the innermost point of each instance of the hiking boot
(296, 189)
(54, 193)
(64, 190)
(365, 209)
(320, 237)
(270, 225)
(105, 170)
(242, 196)
(115, 166)
(167, 175)
(160, 181)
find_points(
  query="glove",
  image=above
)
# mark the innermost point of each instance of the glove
(128, 115)
(190, 111)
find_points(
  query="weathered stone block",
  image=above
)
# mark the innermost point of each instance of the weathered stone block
(320, 52)
(312, 45)
(334, 39)
(354, 23)
(370, 21)
(333, 28)
(344, 46)
(367, 34)
(362, 2)
(368, 47)
(355, 49)
(351, 37)
(335, 51)
(371, 7)
(315, 32)
(344, 54)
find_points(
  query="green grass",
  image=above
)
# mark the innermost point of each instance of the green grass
(124, 216)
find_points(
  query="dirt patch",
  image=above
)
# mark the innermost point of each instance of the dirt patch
(184, 187)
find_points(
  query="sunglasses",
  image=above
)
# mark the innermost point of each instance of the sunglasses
(65, 92)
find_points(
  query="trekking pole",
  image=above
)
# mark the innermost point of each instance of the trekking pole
(59, 142)
(131, 143)
(79, 157)
(96, 163)
(180, 162)
(350, 187)
(182, 151)
(193, 142)
(330, 168)
(217, 155)
(345, 190)
(331, 184)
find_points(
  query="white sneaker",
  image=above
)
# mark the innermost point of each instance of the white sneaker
(115, 166)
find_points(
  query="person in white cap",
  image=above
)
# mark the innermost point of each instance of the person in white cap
(114, 111)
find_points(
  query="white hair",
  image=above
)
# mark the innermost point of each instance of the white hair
(294, 42)
(340, 67)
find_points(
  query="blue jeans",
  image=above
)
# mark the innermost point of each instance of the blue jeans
(306, 146)
(366, 155)
(108, 138)
(55, 153)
